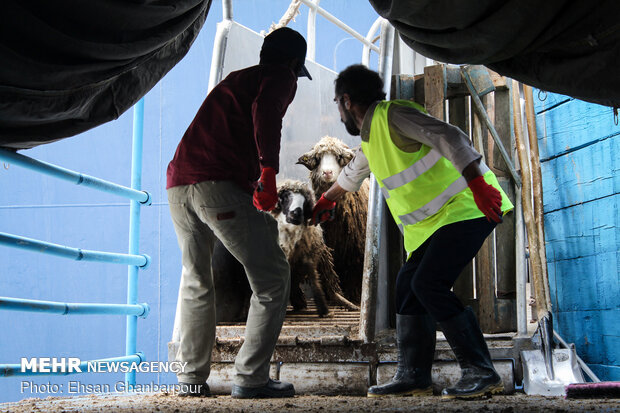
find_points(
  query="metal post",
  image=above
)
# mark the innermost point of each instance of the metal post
(219, 44)
(521, 276)
(311, 37)
(227, 10)
(134, 234)
(375, 210)
(371, 33)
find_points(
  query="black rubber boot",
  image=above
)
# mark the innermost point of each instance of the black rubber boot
(478, 376)
(415, 336)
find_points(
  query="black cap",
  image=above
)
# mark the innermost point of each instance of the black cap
(289, 43)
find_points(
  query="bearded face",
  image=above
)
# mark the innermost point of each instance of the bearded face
(346, 117)
(349, 123)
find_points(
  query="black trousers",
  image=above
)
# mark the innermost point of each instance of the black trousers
(424, 283)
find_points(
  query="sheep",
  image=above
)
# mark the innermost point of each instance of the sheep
(308, 256)
(346, 234)
(310, 259)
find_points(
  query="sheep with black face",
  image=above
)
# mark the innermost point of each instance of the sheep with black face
(346, 234)
(310, 259)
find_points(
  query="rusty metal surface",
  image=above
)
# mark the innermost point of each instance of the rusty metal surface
(305, 338)
(326, 378)
(306, 323)
(309, 350)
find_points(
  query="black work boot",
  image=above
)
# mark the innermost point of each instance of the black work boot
(415, 336)
(478, 376)
(273, 388)
(194, 390)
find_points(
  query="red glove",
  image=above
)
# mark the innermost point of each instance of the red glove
(266, 195)
(488, 199)
(323, 210)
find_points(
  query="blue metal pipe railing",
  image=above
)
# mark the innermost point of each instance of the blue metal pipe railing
(77, 178)
(132, 309)
(134, 233)
(7, 370)
(55, 307)
(77, 254)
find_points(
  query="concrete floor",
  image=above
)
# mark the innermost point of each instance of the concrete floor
(163, 402)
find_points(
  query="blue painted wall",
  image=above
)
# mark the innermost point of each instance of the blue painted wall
(40, 207)
(579, 146)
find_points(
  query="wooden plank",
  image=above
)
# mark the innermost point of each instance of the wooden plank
(504, 126)
(505, 243)
(402, 87)
(506, 232)
(573, 125)
(499, 81)
(495, 315)
(418, 89)
(435, 90)
(582, 176)
(485, 287)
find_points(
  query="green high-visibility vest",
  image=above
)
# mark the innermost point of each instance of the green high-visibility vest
(423, 190)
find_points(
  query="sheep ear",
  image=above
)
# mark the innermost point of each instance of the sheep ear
(347, 156)
(307, 160)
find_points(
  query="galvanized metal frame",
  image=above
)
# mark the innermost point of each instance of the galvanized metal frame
(135, 261)
(376, 207)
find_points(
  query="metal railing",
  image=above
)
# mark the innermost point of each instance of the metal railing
(376, 207)
(133, 259)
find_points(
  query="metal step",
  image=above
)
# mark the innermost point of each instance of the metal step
(326, 356)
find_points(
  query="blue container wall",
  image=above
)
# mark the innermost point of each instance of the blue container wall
(41, 207)
(579, 146)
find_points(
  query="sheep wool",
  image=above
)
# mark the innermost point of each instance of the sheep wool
(346, 234)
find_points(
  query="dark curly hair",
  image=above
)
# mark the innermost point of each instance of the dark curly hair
(363, 85)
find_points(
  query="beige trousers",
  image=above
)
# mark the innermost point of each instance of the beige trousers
(200, 213)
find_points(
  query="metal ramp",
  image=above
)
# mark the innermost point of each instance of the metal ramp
(326, 356)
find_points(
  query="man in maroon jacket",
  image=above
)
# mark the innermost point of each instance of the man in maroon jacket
(233, 142)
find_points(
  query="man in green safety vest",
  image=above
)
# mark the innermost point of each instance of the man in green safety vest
(446, 202)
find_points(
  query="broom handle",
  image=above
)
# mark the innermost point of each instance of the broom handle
(528, 209)
(537, 187)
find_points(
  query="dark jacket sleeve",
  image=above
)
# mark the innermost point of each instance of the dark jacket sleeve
(275, 93)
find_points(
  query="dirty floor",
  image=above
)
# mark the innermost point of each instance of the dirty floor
(163, 402)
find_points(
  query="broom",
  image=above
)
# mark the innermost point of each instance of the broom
(600, 390)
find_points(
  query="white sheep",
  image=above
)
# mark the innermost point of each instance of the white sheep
(346, 234)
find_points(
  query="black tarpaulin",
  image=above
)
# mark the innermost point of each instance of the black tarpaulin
(564, 46)
(67, 66)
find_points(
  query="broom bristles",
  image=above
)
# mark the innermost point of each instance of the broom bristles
(601, 390)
